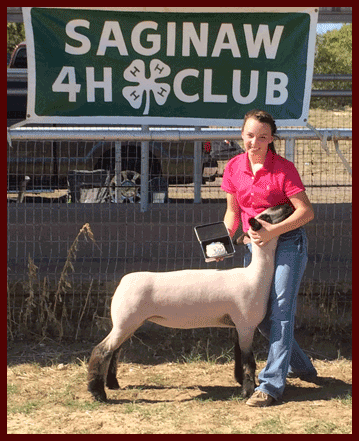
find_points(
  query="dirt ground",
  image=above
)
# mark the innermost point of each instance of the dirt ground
(49, 396)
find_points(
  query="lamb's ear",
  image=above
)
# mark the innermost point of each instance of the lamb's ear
(256, 226)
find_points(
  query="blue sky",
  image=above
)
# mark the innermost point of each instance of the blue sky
(322, 28)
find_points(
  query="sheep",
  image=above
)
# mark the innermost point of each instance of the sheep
(234, 298)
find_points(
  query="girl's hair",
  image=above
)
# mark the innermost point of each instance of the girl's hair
(263, 117)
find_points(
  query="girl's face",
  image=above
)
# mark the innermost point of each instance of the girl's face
(256, 137)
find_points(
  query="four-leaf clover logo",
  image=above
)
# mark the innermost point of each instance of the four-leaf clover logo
(136, 73)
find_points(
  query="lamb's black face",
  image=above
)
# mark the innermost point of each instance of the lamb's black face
(272, 215)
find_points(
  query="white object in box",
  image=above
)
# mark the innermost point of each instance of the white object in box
(214, 241)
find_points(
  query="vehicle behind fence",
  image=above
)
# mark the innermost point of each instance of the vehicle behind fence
(88, 205)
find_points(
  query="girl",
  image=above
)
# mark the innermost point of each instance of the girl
(256, 180)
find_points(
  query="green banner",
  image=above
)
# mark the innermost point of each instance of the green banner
(169, 66)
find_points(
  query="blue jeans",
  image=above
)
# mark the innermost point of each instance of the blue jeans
(284, 355)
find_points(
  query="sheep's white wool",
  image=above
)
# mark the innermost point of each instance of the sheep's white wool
(186, 299)
(190, 299)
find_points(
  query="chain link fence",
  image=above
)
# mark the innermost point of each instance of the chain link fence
(83, 212)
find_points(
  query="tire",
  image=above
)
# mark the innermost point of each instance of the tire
(129, 188)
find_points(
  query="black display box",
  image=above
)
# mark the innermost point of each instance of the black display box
(216, 232)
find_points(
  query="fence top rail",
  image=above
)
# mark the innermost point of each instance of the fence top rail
(158, 134)
(332, 77)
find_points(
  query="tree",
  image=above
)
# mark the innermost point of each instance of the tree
(334, 56)
(334, 52)
(15, 35)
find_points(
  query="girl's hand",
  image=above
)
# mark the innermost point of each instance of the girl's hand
(246, 240)
(264, 235)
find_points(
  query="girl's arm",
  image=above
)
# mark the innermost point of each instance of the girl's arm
(302, 215)
(232, 215)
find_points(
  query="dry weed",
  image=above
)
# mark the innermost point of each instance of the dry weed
(44, 311)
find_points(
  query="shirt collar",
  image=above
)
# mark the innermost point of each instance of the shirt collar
(268, 163)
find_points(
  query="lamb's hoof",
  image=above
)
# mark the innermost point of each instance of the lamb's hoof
(248, 390)
(112, 384)
(97, 390)
(100, 396)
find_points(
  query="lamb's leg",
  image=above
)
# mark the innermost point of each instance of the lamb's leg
(245, 365)
(111, 380)
(238, 368)
(97, 371)
(249, 369)
(104, 359)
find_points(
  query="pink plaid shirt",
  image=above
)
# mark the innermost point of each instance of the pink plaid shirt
(272, 185)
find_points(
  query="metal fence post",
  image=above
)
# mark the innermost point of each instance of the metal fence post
(197, 172)
(118, 169)
(145, 147)
(290, 149)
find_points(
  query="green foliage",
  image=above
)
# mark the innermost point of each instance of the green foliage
(333, 56)
(15, 35)
(334, 52)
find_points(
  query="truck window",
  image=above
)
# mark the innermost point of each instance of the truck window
(21, 59)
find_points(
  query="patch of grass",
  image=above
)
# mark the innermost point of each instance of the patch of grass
(322, 427)
(130, 408)
(199, 353)
(85, 406)
(25, 409)
(158, 380)
(237, 398)
(12, 389)
(269, 426)
(346, 399)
